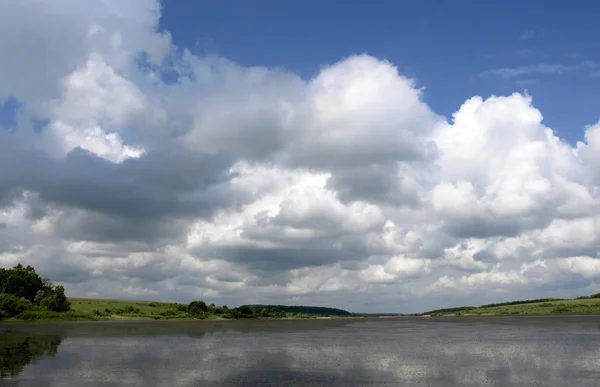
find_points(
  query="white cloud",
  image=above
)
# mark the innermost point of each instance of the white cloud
(255, 185)
(540, 68)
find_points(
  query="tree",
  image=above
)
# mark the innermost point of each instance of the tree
(22, 282)
(245, 310)
(197, 308)
(53, 298)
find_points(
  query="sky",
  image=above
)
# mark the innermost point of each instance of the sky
(373, 156)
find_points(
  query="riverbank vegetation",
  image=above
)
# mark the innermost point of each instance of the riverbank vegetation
(198, 310)
(583, 304)
(24, 295)
(27, 296)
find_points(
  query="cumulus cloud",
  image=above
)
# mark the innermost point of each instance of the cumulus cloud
(240, 184)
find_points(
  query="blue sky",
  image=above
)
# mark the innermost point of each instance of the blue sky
(447, 46)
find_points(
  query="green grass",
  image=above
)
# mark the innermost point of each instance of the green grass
(83, 309)
(589, 305)
(132, 310)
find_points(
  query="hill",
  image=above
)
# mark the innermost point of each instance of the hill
(585, 304)
(308, 310)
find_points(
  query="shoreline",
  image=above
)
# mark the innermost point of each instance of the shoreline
(148, 321)
(205, 321)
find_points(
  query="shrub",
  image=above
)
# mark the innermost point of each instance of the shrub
(11, 305)
(168, 312)
(562, 309)
(245, 310)
(53, 298)
(98, 313)
(197, 306)
(44, 314)
(130, 309)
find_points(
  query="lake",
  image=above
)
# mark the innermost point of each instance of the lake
(491, 351)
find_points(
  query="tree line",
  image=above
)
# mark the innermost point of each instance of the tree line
(309, 310)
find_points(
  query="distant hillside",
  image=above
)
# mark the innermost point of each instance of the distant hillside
(312, 310)
(467, 308)
(585, 304)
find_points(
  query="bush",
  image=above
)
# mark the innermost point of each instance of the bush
(182, 308)
(44, 314)
(562, 309)
(168, 312)
(53, 298)
(130, 309)
(11, 305)
(196, 307)
(98, 313)
(245, 310)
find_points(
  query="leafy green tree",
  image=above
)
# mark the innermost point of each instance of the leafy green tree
(53, 298)
(245, 310)
(196, 308)
(21, 281)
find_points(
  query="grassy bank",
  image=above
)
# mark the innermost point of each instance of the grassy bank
(100, 309)
(26, 296)
(566, 306)
(84, 309)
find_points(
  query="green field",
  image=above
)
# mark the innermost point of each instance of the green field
(100, 309)
(584, 305)
(25, 296)
(133, 310)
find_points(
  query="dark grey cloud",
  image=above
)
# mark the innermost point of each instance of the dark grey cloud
(286, 258)
(490, 225)
(151, 195)
(93, 226)
(375, 184)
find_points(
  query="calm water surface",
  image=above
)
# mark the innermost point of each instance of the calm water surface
(549, 351)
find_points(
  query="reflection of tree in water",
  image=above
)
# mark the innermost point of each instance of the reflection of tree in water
(17, 352)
